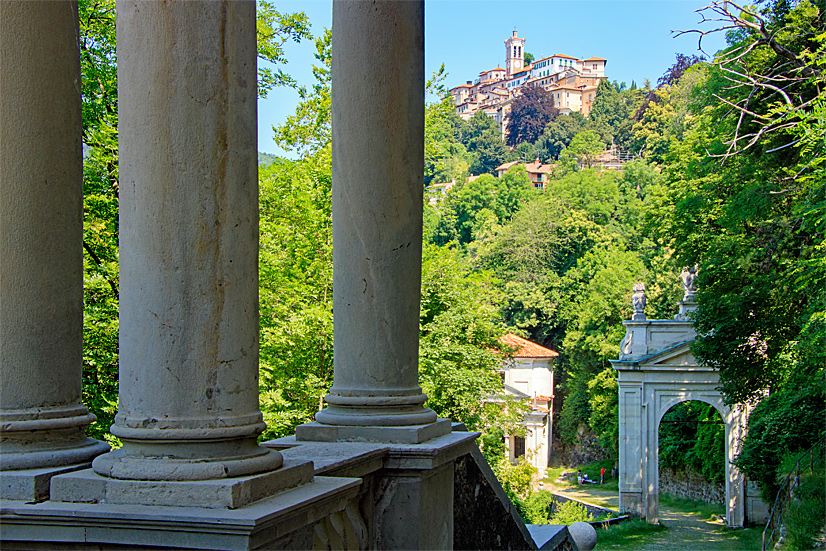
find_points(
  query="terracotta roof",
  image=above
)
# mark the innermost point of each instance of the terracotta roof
(595, 59)
(565, 56)
(526, 348)
(507, 166)
(537, 167)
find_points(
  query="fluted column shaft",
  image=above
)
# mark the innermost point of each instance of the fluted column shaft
(42, 419)
(188, 405)
(378, 160)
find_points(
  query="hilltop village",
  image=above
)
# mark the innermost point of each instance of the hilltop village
(573, 82)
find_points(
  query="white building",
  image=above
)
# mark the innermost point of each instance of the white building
(529, 376)
(573, 82)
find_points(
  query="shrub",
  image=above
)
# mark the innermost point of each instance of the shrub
(536, 508)
(569, 513)
(805, 516)
(515, 479)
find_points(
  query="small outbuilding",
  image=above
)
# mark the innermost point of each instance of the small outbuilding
(529, 375)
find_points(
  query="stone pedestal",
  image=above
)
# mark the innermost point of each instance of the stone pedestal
(42, 420)
(407, 498)
(284, 521)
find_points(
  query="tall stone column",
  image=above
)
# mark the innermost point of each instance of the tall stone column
(378, 162)
(42, 419)
(188, 406)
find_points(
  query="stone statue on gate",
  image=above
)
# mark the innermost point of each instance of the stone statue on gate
(638, 301)
(688, 275)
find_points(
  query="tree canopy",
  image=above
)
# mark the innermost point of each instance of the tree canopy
(530, 112)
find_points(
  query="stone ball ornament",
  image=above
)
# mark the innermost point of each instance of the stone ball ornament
(584, 535)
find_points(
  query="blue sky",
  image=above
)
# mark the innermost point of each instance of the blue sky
(468, 37)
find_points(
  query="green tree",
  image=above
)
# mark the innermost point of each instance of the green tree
(611, 113)
(468, 206)
(558, 135)
(100, 212)
(530, 112)
(483, 139)
(445, 156)
(582, 151)
(273, 30)
(295, 290)
(458, 359)
(308, 130)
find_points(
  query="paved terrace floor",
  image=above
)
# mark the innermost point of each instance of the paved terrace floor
(686, 531)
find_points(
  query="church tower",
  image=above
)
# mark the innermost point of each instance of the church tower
(514, 55)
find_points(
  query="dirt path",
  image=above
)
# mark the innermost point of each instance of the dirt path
(685, 531)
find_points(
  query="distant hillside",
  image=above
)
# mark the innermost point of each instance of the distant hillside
(265, 159)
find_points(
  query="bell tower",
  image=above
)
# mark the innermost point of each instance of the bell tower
(514, 55)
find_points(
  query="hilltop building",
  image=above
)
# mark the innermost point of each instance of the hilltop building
(573, 82)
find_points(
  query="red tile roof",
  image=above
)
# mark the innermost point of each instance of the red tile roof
(526, 348)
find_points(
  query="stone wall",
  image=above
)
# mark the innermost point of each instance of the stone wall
(586, 449)
(690, 484)
(483, 516)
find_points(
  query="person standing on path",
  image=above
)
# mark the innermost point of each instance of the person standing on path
(602, 476)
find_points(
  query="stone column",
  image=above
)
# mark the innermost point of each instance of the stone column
(188, 405)
(378, 162)
(42, 419)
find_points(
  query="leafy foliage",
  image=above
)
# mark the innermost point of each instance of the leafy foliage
(274, 29)
(515, 478)
(530, 112)
(782, 426)
(692, 436)
(100, 213)
(295, 290)
(309, 129)
(570, 512)
(458, 362)
(536, 508)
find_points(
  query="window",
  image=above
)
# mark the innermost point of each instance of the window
(518, 446)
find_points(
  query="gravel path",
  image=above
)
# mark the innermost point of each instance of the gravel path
(685, 531)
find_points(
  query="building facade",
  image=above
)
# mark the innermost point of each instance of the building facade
(573, 82)
(529, 376)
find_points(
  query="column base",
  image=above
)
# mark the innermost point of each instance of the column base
(413, 434)
(32, 484)
(284, 521)
(226, 493)
(631, 502)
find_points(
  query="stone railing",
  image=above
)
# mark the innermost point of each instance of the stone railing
(483, 517)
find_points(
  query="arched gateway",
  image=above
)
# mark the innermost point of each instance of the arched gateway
(656, 371)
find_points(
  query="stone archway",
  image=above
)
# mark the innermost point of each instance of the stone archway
(657, 371)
